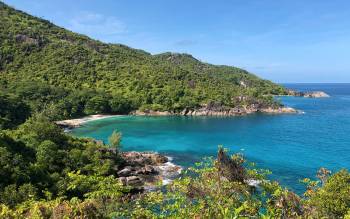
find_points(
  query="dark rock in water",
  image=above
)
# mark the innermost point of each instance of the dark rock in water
(145, 169)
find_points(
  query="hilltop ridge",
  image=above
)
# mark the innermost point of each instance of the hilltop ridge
(74, 75)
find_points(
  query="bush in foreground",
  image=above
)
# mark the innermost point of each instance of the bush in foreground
(221, 188)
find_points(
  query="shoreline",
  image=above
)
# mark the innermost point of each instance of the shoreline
(219, 112)
(75, 123)
(145, 169)
(141, 169)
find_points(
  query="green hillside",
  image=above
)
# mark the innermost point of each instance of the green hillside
(71, 75)
(49, 73)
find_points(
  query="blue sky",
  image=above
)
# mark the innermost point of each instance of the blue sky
(280, 40)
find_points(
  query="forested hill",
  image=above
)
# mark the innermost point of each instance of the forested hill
(70, 75)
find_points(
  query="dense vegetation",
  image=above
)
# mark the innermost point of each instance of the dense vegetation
(45, 173)
(71, 75)
(37, 157)
(50, 73)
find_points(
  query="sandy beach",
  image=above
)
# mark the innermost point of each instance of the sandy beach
(73, 123)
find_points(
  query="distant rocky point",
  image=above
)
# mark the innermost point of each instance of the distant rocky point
(309, 94)
(316, 94)
(219, 110)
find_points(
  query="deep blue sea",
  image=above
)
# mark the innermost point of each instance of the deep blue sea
(291, 146)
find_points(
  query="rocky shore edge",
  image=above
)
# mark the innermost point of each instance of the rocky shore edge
(218, 111)
(309, 94)
(205, 110)
(144, 170)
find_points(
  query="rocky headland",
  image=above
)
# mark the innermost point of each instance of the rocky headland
(211, 109)
(309, 94)
(219, 110)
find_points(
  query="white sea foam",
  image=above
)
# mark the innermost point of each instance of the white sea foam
(253, 182)
(169, 171)
(301, 112)
(166, 182)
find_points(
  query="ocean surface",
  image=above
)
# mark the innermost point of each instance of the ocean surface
(291, 146)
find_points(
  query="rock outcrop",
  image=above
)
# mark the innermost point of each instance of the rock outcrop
(280, 110)
(145, 169)
(152, 113)
(219, 110)
(309, 94)
(316, 94)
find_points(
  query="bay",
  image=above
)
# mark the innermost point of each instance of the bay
(291, 146)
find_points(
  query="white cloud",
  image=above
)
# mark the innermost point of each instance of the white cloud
(94, 24)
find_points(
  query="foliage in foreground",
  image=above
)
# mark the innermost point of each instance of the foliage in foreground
(40, 162)
(215, 190)
(47, 174)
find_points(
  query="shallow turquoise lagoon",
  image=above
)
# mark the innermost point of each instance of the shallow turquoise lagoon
(291, 146)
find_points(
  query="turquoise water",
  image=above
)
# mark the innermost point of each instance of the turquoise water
(291, 146)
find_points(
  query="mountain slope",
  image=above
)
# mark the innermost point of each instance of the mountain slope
(76, 75)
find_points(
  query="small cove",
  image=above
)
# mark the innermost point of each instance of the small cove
(291, 146)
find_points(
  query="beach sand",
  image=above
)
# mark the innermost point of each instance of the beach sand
(73, 123)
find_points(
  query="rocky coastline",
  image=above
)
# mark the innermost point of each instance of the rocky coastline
(204, 110)
(309, 94)
(219, 111)
(144, 170)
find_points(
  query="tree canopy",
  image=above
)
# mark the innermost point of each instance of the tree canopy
(71, 75)
(49, 73)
